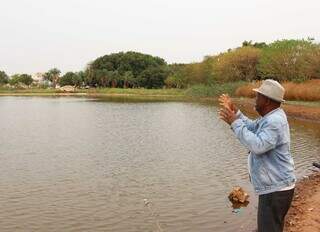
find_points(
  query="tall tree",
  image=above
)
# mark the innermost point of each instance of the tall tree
(53, 75)
(3, 78)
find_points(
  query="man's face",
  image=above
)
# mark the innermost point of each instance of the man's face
(260, 103)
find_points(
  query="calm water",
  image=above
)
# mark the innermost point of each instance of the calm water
(75, 164)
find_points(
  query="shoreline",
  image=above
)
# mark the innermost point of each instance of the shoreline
(309, 111)
(304, 212)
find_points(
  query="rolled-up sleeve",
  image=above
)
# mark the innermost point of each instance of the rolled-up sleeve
(258, 143)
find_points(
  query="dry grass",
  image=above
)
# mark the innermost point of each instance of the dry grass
(246, 90)
(305, 91)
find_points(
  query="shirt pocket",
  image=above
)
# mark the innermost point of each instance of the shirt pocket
(264, 175)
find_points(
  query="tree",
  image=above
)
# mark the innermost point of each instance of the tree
(121, 69)
(53, 76)
(260, 45)
(67, 79)
(236, 65)
(256, 44)
(152, 77)
(79, 79)
(103, 77)
(128, 80)
(26, 79)
(247, 43)
(290, 60)
(175, 81)
(176, 77)
(114, 78)
(72, 78)
(21, 78)
(3, 78)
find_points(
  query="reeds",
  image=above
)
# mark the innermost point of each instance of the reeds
(305, 91)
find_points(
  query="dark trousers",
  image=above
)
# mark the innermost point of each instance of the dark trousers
(272, 209)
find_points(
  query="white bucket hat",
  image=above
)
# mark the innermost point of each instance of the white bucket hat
(271, 89)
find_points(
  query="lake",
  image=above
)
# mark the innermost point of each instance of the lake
(81, 164)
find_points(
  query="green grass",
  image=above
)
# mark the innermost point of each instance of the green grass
(140, 91)
(214, 90)
(304, 103)
(30, 90)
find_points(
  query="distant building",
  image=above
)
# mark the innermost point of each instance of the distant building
(38, 77)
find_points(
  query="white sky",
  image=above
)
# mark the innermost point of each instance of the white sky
(37, 35)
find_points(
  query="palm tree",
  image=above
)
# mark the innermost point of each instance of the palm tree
(53, 75)
(103, 77)
(128, 79)
(115, 78)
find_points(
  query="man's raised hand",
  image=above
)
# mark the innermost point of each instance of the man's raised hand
(226, 102)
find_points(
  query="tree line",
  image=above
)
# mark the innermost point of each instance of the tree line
(284, 60)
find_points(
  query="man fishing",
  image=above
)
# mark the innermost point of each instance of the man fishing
(270, 164)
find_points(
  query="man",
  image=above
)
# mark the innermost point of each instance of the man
(270, 164)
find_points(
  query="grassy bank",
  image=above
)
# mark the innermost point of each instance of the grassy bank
(214, 90)
(113, 94)
(306, 93)
(29, 90)
(194, 91)
(98, 91)
(139, 92)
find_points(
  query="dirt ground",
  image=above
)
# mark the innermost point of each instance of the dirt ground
(304, 214)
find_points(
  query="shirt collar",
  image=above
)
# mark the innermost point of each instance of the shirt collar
(271, 112)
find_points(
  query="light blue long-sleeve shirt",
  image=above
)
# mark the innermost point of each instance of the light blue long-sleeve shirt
(270, 163)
